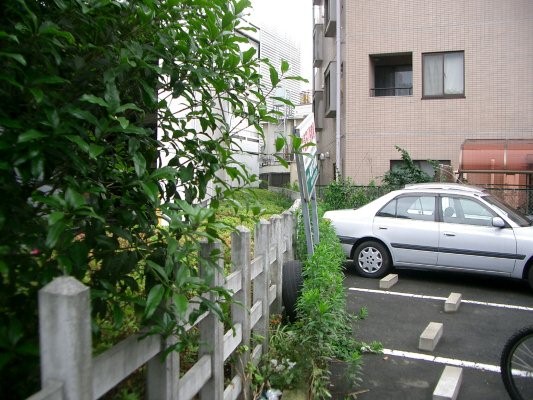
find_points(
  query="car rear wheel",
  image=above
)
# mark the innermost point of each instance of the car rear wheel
(372, 259)
(530, 277)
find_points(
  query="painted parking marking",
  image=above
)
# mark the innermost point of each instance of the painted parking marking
(453, 362)
(421, 296)
(442, 360)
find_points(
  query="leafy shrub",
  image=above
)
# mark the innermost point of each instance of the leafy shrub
(80, 158)
(323, 331)
(345, 194)
(407, 173)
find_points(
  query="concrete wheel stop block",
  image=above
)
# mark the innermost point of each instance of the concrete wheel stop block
(389, 281)
(449, 384)
(431, 336)
(453, 302)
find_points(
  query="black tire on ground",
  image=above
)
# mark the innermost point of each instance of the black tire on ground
(530, 277)
(517, 354)
(291, 287)
(372, 260)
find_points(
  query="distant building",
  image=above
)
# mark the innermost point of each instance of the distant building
(276, 48)
(432, 77)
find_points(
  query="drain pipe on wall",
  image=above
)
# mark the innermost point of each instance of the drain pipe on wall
(338, 161)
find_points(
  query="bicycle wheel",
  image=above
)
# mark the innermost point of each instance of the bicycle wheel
(517, 365)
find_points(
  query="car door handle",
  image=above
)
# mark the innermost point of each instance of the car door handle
(449, 234)
(383, 228)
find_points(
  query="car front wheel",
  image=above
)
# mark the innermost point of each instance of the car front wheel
(372, 259)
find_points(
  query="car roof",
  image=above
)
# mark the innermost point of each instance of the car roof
(445, 187)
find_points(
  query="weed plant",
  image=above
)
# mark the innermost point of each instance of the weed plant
(301, 353)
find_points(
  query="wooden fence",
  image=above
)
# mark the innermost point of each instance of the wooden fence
(69, 371)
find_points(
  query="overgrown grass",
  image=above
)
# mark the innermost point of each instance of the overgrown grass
(249, 206)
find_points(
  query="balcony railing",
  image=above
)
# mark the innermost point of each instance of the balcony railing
(393, 91)
(270, 159)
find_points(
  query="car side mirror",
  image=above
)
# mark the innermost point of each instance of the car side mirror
(498, 222)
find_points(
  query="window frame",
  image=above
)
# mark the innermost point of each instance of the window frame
(420, 216)
(392, 61)
(461, 217)
(443, 95)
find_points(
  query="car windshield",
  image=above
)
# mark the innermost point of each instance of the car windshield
(514, 215)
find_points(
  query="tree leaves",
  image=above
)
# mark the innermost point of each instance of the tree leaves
(95, 98)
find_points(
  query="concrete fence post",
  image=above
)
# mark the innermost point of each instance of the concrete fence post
(211, 328)
(65, 337)
(240, 309)
(162, 374)
(288, 228)
(261, 284)
(276, 272)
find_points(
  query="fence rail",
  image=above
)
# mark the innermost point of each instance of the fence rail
(69, 371)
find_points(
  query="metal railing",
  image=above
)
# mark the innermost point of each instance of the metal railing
(271, 159)
(392, 91)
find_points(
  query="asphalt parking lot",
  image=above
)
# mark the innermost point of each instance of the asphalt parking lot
(491, 311)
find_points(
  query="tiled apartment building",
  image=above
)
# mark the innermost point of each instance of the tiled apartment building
(429, 76)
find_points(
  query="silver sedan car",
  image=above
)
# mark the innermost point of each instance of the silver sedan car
(437, 226)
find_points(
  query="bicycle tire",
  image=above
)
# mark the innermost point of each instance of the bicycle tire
(517, 356)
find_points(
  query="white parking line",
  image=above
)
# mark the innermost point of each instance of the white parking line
(420, 296)
(442, 360)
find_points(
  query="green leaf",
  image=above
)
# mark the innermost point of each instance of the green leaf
(128, 106)
(139, 163)
(158, 270)
(182, 304)
(15, 56)
(55, 217)
(95, 150)
(124, 123)
(155, 296)
(84, 115)
(247, 55)
(49, 28)
(54, 233)
(50, 80)
(82, 144)
(296, 78)
(94, 100)
(168, 173)
(283, 100)
(282, 161)
(296, 143)
(274, 77)
(284, 66)
(37, 94)
(151, 190)
(280, 143)
(30, 135)
(5, 35)
(73, 198)
(112, 96)
(241, 5)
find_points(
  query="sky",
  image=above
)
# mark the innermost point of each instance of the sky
(292, 19)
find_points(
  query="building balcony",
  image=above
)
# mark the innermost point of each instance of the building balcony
(271, 159)
(391, 91)
(318, 45)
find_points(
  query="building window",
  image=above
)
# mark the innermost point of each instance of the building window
(330, 17)
(330, 90)
(393, 74)
(443, 74)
